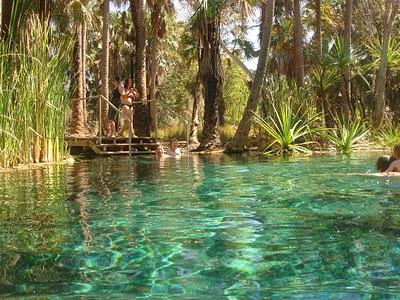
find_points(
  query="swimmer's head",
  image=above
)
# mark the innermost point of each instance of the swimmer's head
(173, 144)
(383, 163)
(159, 150)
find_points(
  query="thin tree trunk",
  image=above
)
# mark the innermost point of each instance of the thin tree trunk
(6, 9)
(391, 8)
(298, 57)
(155, 22)
(78, 124)
(346, 83)
(318, 42)
(318, 29)
(242, 133)
(44, 9)
(237, 61)
(105, 58)
(211, 76)
(197, 100)
(221, 110)
(141, 115)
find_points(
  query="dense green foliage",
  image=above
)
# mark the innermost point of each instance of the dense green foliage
(235, 92)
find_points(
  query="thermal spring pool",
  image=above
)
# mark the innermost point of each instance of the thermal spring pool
(201, 227)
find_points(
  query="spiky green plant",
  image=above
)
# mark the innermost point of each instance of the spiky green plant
(348, 136)
(33, 99)
(290, 130)
(389, 135)
(374, 49)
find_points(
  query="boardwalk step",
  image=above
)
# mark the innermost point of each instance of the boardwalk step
(127, 144)
(125, 152)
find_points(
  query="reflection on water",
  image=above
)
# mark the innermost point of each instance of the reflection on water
(204, 226)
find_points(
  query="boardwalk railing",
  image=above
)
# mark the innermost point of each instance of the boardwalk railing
(94, 123)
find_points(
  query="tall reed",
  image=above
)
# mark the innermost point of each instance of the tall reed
(33, 98)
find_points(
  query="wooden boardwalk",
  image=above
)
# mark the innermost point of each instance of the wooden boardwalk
(112, 145)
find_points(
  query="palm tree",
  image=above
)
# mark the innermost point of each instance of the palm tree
(241, 135)
(207, 24)
(141, 117)
(391, 7)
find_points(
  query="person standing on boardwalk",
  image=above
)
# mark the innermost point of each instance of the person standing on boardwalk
(127, 98)
(118, 90)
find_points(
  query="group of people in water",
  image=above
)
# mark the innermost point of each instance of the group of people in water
(389, 164)
(173, 150)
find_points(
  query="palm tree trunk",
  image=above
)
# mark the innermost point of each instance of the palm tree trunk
(155, 22)
(84, 46)
(77, 118)
(105, 58)
(391, 8)
(141, 115)
(242, 133)
(211, 76)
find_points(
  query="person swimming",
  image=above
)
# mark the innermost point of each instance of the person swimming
(383, 162)
(160, 151)
(174, 149)
(395, 163)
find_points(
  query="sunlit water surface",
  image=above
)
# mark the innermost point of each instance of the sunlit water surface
(204, 227)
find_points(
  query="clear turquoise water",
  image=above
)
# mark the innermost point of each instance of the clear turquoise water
(211, 227)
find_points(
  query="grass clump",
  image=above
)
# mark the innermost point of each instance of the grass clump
(33, 98)
(389, 135)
